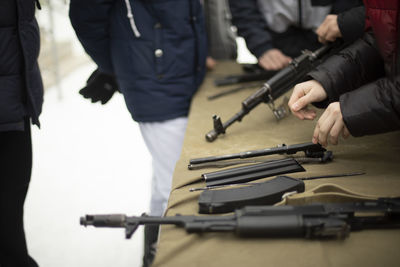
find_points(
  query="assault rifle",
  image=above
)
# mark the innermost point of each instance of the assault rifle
(276, 86)
(309, 221)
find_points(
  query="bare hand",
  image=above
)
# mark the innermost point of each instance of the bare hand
(330, 126)
(274, 59)
(210, 63)
(329, 30)
(303, 94)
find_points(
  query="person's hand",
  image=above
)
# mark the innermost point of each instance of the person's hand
(274, 59)
(99, 87)
(303, 94)
(330, 126)
(329, 30)
(210, 63)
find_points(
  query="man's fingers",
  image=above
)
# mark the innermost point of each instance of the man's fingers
(276, 60)
(315, 138)
(331, 36)
(309, 114)
(321, 40)
(325, 124)
(264, 65)
(321, 30)
(305, 114)
(315, 134)
(345, 133)
(301, 103)
(282, 60)
(298, 103)
(296, 94)
(267, 64)
(335, 132)
(299, 115)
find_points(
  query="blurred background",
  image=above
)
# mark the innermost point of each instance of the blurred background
(87, 158)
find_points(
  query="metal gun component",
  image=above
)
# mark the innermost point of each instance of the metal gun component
(252, 172)
(281, 111)
(310, 150)
(265, 193)
(327, 156)
(289, 193)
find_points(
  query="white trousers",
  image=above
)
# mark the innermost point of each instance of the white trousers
(164, 141)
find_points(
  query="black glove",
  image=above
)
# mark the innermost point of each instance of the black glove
(99, 87)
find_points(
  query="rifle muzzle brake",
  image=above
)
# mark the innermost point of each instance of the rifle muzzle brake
(112, 220)
(85, 221)
(211, 135)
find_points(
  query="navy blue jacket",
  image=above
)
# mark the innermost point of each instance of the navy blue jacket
(159, 67)
(21, 88)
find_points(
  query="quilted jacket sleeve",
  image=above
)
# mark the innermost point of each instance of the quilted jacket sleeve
(89, 19)
(251, 25)
(369, 100)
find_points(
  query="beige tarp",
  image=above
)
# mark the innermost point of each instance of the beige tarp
(378, 156)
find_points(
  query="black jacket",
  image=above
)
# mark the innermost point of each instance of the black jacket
(259, 38)
(21, 88)
(351, 23)
(369, 98)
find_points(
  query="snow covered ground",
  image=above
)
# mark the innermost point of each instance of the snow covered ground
(87, 158)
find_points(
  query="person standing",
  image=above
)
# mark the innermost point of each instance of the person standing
(153, 52)
(277, 31)
(21, 98)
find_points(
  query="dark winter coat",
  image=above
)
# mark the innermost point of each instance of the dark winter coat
(252, 26)
(365, 77)
(351, 24)
(157, 53)
(21, 88)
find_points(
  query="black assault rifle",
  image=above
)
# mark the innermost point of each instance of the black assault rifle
(276, 86)
(309, 221)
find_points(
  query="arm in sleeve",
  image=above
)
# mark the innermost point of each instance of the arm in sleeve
(251, 25)
(373, 108)
(356, 65)
(351, 24)
(90, 20)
